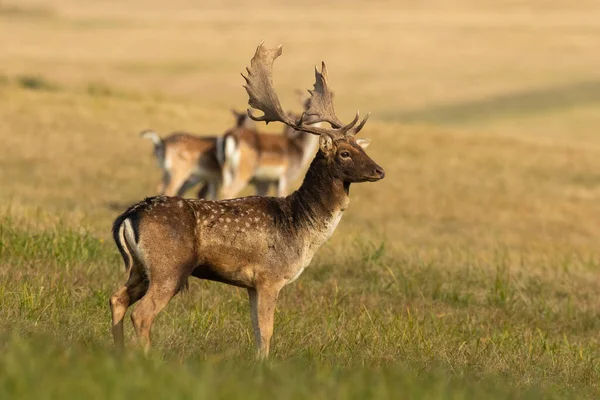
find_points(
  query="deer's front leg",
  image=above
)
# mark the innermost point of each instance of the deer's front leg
(262, 308)
(162, 186)
(282, 187)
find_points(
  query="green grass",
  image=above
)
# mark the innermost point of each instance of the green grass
(376, 322)
(62, 371)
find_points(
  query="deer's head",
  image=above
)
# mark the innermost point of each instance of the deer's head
(242, 120)
(347, 160)
(345, 155)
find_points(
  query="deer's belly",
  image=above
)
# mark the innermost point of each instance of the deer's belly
(206, 172)
(242, 277)
(269, 172)
(298, 273)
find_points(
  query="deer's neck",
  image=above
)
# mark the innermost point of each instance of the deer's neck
(319, 202)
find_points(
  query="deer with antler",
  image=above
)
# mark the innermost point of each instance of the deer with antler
(258, 243)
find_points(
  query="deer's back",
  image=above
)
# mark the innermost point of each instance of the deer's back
(235, 241)
(197, 151)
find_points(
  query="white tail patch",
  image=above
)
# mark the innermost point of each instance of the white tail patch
(231, 159)
(152, 136)
(125, 247)
(129, 236)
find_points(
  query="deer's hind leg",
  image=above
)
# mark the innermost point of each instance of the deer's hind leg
(164, 182)
(209, 190)
(169, 268)
(133, 290)
(167, 248)
(156, 298)
(262, 187)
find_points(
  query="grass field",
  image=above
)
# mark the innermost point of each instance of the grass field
(471, 271)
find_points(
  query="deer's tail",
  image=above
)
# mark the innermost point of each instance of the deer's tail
(159, 144)
(125, 237)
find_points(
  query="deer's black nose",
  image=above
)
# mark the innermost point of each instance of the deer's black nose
(378, 171)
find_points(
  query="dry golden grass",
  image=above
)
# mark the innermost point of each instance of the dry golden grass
(485, 117)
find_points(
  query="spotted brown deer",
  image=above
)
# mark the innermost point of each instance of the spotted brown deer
(264, 160)
(187, 159)
(257, 243)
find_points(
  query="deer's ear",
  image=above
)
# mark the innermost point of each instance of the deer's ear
(326, 144)
(364, 143)
(246, 122)
(235, 113)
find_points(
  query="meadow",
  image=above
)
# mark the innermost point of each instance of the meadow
(471, 271)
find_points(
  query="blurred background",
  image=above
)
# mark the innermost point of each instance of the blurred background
(485, 116)
(475, 105)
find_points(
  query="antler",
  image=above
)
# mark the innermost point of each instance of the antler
(259, 85)
(262, 96)
(320, 102)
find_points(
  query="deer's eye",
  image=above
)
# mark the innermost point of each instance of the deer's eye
(345, 154)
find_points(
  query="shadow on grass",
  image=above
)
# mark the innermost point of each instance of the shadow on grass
(14, 10)
(36, 82)
(513, 104)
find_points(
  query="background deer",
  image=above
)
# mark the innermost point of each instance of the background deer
(263, 159)
(257, 243)
(188, 159)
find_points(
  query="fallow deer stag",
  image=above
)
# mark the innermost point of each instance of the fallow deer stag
(257, 243)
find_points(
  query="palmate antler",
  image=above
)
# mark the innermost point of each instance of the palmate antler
(262, 96)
